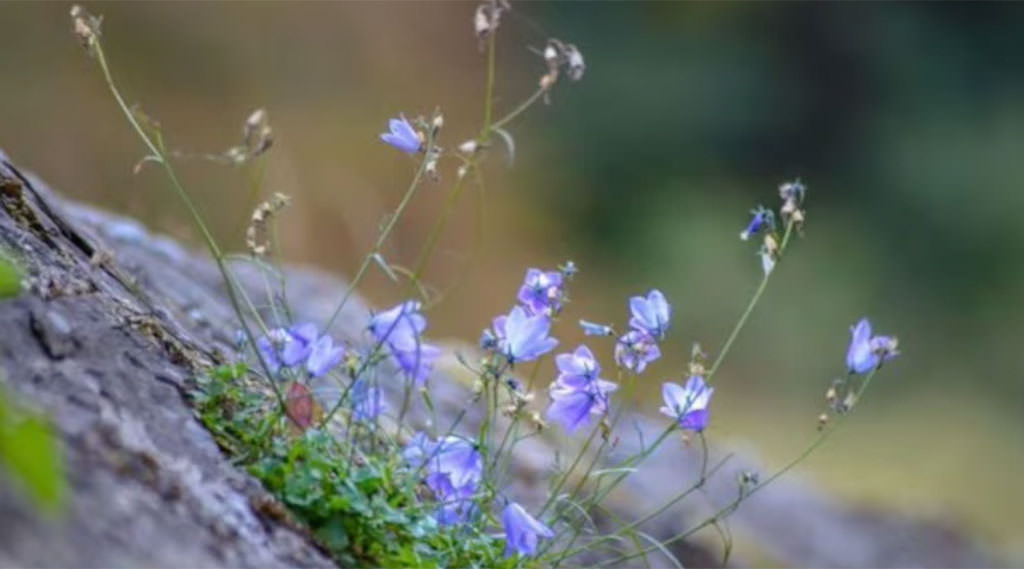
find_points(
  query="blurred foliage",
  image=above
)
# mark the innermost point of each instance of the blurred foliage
(29, 451)
(10, 282)
(906, 121)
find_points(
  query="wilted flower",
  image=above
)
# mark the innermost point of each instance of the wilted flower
(578, 392)
(593, 329)
(522, 531)
(635, 349)
(402, 135)
(688, 405)
(324, 356)
(866, 352)
(521, 337)
(541, 292)
(767, 260)
(651, 314)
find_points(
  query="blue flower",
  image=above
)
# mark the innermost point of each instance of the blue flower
(402, 136)
(541, 292)
(761, 218)
(324, 356)
(578, 392)
(593, 329)
(635, 349)
(454, 468)
(688, 405)
(650, 314)
(367, 403)
(521, 337)
(522, 531)
(283, 347)
(867, 352)
(400, 328)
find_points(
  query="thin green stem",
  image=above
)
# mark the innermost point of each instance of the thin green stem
(750, 308)
(732, 506)
(158, 153)
(380, 239)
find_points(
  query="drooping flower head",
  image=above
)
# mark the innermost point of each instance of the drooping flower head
(402, 136)
(866, 352)
(688, 404)
(522, 531)
(578, 392)
(401, 329)
(541, 292)
(635, 349)
(761, 217)
(521, 337)
(650, 314)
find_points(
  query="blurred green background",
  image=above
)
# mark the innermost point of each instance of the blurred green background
(906, 121)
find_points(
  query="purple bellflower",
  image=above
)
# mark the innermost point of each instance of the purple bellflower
(402, 136)
(400, 329)
(578, 392)
(454, 468)
(688, 404)
(287, 347)
(650, 314)
(522, 531)
(324, 356)
(541, 292)
(867, 352)
(521, 337)
(635, 349)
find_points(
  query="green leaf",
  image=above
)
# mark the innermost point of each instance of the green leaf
(29, 453)
(10, 282)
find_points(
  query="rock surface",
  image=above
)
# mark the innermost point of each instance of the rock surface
(115, 320)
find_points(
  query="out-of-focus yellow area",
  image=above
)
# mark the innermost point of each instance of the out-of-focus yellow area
(906, 122)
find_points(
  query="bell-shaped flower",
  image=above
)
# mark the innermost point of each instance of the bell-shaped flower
(688, 404)
(650, 314)
(287, 347)
(453, 470)
(402, 136)
(522, 531)
(523, 338)
(578, 392)
(400, 329)
(324, 356)
(635, 349)
(867, 352)
(541, 292)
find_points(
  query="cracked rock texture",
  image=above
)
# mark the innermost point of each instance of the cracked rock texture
(114, 321)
